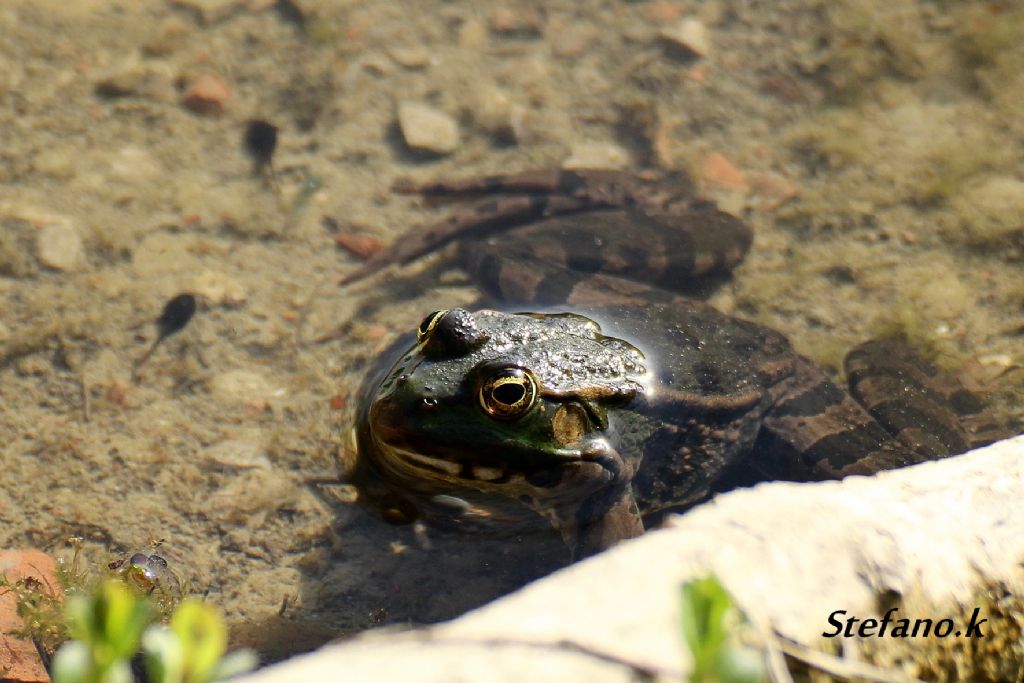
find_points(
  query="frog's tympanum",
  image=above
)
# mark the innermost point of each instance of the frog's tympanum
(616, 397)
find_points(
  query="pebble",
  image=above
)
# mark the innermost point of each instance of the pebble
(600, 155)
(773, 189)
(360, 246)
(410, 56)
(472, 35)
(660, 10)
(517, 20)
(256, 492)
(991, 208)
(243, 387)
(170, 35)
(718, 171)
(493, 111)
(131, 165)
(239, 454)
(137, 77)
(209, 94)
(59, 245)
(689, 34)
(574, 41)
(219, 289)
(427, 129)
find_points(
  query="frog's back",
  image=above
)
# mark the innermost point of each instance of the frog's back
(712, 380)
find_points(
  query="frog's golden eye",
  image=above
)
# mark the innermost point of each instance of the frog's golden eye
(508, 393)
(428, 324)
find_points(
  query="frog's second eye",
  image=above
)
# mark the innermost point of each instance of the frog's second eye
(508, 393)
(428, 324)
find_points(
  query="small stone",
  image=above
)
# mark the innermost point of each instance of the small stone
(493, 111)
(410, 56)
(131, 165)
(659, 10)
(170, 35)
(58, 162)
(138, 78)
(238, 454)
(574, 40)
(773, 189)
(717, 171)
(209, 94)
(472, 35)
(59, 245)
(374, 332)
(691, 35)
(253, 494)
(519, 21)
(991, 209)
(219, 289)
(243, 387)
(599, 155)
(427, 129)
(360, 246)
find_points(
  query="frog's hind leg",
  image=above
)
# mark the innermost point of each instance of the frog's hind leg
(900, 410)
(814, 430)
(928, 410)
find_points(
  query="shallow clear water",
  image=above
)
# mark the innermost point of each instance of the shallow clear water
(878, 161)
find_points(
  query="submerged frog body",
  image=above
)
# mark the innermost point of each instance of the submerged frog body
(618, 398)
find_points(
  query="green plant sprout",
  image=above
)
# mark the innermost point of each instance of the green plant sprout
(131, 618)
(109, 625)
(710, 622)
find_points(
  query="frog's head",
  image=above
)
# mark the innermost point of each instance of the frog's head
(492, 402)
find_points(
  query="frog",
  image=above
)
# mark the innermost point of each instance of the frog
(593, 393)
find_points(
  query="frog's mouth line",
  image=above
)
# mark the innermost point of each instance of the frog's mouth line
(409, 464)
(416, 462)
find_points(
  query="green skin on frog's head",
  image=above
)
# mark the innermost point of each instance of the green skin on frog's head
(515, 404)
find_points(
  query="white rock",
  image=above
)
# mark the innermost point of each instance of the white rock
(137, 76)
(218, 288)
(992, 208)
(691, 35)
(238, 454)
(790, 554)
(59, 245)
(410, 56)
(426, 128)
(493, 111)
(604, 155)
(132, 165)
(244, 386)
(252, 494)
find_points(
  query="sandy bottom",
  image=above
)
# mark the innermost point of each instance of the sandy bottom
(874, 146)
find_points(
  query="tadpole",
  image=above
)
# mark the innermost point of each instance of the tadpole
(176, 315)
(260, 141)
